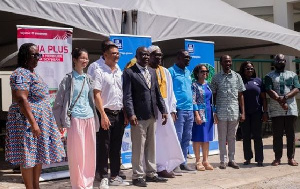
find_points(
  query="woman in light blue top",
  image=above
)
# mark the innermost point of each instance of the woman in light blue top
(74, 109)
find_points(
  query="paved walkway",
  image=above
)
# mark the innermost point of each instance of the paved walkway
(283, 176)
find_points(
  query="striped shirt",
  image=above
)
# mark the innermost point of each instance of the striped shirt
(226, 87)
(282, 83)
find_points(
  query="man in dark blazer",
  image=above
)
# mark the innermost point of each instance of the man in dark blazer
(142, 98)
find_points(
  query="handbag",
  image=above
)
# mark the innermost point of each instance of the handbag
(202, 107)
(69, 112)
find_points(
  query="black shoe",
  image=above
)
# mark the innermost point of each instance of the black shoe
(186, 168)
(139, 182)
(222, 165)
(247, 162)
(165, 174)
(16, 169)
(122, 175)
(259, 164)
(156, 179)
(233, 164)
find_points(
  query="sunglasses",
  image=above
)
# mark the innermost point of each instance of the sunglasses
(36, 55)
(204, 71)
(280, 61)
(249, 69)
(187, 57)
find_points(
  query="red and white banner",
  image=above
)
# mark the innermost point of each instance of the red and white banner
(55, 45)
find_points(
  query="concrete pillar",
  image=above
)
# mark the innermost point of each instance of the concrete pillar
(283, 15)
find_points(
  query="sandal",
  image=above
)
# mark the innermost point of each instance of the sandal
(208, 166)
(199, 166)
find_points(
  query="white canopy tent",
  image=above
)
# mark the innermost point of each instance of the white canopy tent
(234, 31)
(92, 22)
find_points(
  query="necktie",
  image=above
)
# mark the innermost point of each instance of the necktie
(147, 77)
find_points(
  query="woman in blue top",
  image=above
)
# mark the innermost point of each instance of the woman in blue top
(202, 131)
(74, 109)
(256, 111)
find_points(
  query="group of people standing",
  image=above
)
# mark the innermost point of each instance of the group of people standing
(165, 108)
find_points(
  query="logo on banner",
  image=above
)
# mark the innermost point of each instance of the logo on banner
(190, 48)
(118, 43)
(64, 36)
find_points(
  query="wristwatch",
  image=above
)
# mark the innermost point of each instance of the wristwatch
(285, 97)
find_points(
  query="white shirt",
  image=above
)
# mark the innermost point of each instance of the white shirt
(94, 66)
(142, 69)
(110, 84)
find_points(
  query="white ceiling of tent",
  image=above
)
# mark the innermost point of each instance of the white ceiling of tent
(214, 20)
(92, 22)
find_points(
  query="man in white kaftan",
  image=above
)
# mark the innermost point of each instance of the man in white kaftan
(168, 150)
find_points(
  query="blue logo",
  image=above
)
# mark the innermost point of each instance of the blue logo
(190, 48)
(125, 146)
(119, 43)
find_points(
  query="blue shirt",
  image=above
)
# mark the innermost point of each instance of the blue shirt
(82, 108)
(182, 86)
(252, 100)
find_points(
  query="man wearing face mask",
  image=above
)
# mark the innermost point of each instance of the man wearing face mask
(282, 86)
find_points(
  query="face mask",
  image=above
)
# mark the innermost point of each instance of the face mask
(279, 66)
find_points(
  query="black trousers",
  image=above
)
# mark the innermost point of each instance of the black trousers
(252, 128)
(281, 124)
(108, 145)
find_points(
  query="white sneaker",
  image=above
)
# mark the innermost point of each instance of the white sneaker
(104, 184)
(118, 181)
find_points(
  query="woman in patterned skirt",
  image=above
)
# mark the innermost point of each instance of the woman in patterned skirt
(32, 137)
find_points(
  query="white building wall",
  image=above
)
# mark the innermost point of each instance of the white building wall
(281, 12)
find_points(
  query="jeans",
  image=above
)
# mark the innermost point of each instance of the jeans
(183, 126)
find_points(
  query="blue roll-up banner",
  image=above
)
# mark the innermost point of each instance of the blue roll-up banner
(127, 45)
(202, 52)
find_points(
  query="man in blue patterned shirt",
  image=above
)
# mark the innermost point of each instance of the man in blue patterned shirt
(282, 86)
(227, 87)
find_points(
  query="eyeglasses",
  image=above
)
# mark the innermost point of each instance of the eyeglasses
(249, 69)
(115, 53)
(204, 71)
(36, 55)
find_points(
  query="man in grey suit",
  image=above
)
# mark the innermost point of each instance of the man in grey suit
(142, 98)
